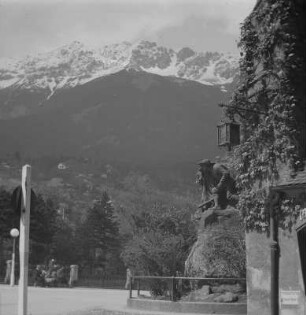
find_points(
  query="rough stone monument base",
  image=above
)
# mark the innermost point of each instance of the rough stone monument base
(212, 222)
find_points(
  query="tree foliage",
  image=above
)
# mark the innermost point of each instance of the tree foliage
(64, 247)
(8, 217)
(98, 235)
(269, 103)
(43, 220)
(162, 238)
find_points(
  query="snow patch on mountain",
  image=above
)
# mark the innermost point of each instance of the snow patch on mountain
(8, 82)
(75, 64)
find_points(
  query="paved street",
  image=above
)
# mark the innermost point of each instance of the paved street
(64, 301)
(54, 301)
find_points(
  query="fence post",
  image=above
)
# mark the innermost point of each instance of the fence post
(172, 288)
(138, 287)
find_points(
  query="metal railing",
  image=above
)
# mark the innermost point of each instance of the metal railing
(173, 288)
(109, 282)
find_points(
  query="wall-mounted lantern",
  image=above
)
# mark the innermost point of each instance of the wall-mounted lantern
(228, 134)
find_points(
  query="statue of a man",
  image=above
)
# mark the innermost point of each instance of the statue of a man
(218, 186)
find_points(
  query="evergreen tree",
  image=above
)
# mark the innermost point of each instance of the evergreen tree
(8, 218)
(99, 234)
(43, 218)
(64, 247)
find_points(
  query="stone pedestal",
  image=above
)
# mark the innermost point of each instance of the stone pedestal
(212, 222)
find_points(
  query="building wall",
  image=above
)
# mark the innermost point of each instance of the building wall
(259, 274)
(258, 245)
(290, 278)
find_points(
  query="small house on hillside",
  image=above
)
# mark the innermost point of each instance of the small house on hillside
(62, 166)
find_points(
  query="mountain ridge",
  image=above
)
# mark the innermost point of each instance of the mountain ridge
(129, 115)
(75, 64)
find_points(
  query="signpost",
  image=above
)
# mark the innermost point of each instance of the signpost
(24, 239)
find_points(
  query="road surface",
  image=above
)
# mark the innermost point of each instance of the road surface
(60, 301)
(75, 301)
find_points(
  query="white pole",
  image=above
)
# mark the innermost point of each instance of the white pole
(24, 239)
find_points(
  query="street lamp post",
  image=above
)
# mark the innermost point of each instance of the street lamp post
(14, 234)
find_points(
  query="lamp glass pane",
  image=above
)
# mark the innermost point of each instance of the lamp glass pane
(222, 137)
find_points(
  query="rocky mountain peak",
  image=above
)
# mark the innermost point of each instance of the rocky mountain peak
(75, 64)
(185, 53)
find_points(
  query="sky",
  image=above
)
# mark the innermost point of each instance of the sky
(34, 26)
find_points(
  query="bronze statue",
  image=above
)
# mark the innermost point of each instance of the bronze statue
(218, 186)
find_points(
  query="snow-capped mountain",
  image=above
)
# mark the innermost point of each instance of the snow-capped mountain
(76, 64)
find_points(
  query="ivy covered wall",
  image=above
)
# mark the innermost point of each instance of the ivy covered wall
(269, 103)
